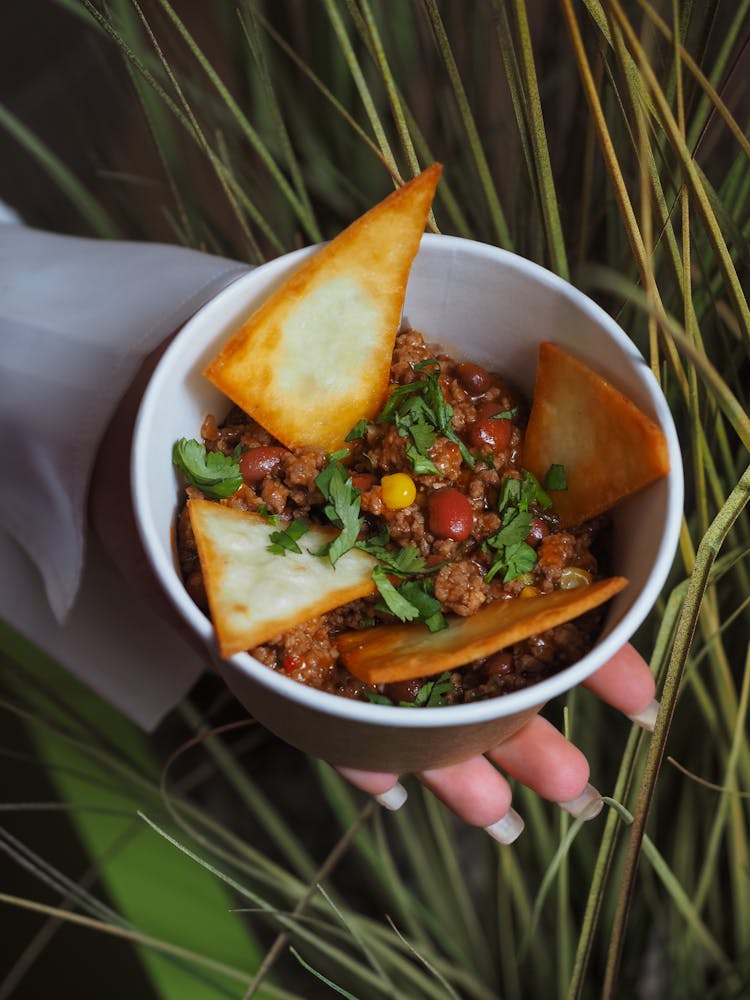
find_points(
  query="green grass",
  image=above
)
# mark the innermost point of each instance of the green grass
(609, 142)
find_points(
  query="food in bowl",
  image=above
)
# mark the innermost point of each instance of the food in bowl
(434, 513)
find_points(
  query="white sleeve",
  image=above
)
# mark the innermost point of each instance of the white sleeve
(77, 318)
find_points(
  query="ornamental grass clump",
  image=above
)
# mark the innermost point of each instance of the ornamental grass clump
(607, 141)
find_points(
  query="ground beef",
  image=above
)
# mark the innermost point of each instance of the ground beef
(300, 468)
(456, 567)
(460, 587)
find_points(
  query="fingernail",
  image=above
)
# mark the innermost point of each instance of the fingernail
(394, 798)
(587, 805)
(647, 718)
(507, 829)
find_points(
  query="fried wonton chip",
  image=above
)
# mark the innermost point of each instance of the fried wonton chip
(315, 357)
(607, 447)
(403, 652)
(254, 594)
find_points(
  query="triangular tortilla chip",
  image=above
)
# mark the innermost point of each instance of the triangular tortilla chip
(315, 357)
(606, 445)
(403, 652)
(254, 594)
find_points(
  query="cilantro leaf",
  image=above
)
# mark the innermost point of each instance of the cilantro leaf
(422, 435)
(556, 478)
(376, 697)
(421, 463)
(215, 474)
(521, 493)
(510, 494)
(513, 561)
(432, 693)
(505, 414)
(420, 594)
(516, 526)
(433, 363)
(404, 561)
(266, 514)
(419, 411)
(342, 507)
(514, 555)
(532, 491)
(411, 601)
(286, 540)
(358, 431)
(393, 601)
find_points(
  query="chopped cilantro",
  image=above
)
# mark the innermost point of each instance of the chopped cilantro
(556, 478)
(516, 525)
(514, 555)
(420, 594)
(420, 412)
(215, 474)
(286, 540)
(433, 693)
(505, 414)
(533, 491)
(521, 493)
(266, 514)
(342, 506)
(421, 463)
(377, 698)
(393, 601)
(420, 366)
(512, 561)
(404, 561)
(358, 431)
(411, 601)
(510, 494)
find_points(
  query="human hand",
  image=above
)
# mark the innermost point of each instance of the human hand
(476, 791)
(538, 756)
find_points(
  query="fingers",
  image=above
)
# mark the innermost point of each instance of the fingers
(384, 786)
(538, 756)
(541, 758)
(625, 682)
(474, 790)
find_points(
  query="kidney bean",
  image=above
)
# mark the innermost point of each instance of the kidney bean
(537, 531)
(498, 663)
(363, 481)
(449, 514)
(402, 690)
(488, 431)
(475, 379)
(256, 463)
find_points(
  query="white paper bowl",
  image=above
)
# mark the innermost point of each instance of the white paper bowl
(493, 307)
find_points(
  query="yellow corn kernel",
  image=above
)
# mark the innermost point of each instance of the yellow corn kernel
(398, 490)
(528, 592)
(574, 576)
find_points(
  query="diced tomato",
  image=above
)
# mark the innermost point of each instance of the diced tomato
(291, 663)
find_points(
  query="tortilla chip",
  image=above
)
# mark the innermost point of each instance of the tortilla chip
(606, 445)
(255, 594)
(315, 357)
(403, 652)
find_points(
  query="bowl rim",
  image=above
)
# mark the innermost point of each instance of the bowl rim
(368, 712)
